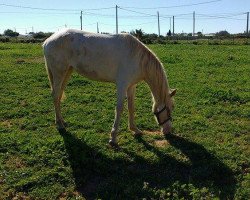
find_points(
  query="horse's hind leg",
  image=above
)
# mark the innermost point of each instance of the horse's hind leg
(121, 94)
(57, 94)
(59, 83)
(64, 83)
(131, 110)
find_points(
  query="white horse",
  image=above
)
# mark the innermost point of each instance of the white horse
(120, 59)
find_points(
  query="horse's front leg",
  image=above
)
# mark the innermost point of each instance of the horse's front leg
(131, 110)
(121, 94)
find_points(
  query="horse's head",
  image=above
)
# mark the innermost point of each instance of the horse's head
(163, 113)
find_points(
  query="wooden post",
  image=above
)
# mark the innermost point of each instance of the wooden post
(159, 33)
(170, 24)
(116, 8)
(173, 25)
(193, 23)
(247, 23)
(81, 20)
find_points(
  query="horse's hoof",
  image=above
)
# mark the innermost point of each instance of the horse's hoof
(113, 144)
(136, 131)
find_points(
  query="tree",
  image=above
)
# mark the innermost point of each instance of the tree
(222, 33)
(10, 33)
(137, 33)
(199, 34)
(40, 35)
(169, 33)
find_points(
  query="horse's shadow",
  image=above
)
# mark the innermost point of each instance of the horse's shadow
(99, 176)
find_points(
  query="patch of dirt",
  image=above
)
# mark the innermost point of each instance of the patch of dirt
(20, 61)
(23, 103)
(152, 132)
(6, 123)
(67, 195)
(15, 162)
(18, 196)
(36, 60)
(161, 143)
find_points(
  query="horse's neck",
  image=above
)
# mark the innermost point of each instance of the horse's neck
(159, 88)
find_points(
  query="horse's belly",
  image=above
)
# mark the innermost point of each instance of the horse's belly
(100, 73)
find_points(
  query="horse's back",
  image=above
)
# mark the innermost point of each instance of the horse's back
(97, 56)
(74, 38)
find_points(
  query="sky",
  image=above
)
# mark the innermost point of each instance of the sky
(211, 16)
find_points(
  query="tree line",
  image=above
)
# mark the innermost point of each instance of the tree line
(138, 33)
(38, 35)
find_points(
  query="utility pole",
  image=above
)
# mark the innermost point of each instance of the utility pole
(97, 27)
(170, 27)
(193, 23)
(173, 25)
(247, 23)
(159, 32)
(81, 20)
(116, 9)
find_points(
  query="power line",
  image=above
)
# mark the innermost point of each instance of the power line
(45, 13)
(176, 6)
(133, 14)
(142, 15)
(217, 17)
(209, 18)
(227, 14)
(98, 14)
(184, 14)
(76, 13)
(221, 15)
(137, 12)
(52, 9)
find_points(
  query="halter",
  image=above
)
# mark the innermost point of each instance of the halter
(157, 114)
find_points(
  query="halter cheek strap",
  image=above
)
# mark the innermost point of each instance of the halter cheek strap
(157, 114)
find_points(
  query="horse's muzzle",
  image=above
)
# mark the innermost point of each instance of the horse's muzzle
(167, 127)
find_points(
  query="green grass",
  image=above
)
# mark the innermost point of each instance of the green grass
(206, 158)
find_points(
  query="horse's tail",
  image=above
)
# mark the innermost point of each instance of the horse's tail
(50, 76)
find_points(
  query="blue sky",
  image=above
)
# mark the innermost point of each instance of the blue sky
(210, 17)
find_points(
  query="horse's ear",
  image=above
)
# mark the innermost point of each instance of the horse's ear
(172, 92)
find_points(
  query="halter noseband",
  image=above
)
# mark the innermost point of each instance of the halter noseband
(157, 114)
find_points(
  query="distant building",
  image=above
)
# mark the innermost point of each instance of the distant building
(209, 34)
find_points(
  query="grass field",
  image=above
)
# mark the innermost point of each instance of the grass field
(207, 157)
